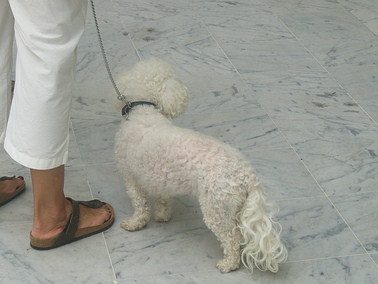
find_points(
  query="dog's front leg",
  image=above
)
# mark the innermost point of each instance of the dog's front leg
(142, 211)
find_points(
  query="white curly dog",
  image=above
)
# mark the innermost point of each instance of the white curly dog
(159, 159)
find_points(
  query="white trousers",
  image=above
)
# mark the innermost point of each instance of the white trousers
(34, 125)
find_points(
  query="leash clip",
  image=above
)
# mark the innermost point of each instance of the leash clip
(126, 109)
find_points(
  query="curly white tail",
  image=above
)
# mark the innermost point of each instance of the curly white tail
(261, 242)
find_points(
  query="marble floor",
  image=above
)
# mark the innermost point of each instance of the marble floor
(293, 84)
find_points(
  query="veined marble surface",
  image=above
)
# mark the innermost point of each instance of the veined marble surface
(292, 84)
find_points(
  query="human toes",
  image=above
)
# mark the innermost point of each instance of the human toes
(94, 216)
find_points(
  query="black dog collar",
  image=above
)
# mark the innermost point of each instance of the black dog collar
(129, 106)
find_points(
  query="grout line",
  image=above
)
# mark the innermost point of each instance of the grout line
(325, 258)
(359, 20)
(144, 278)
(219, 46)
(77, 144)
(129, 36)
(320, 195)
(16, 223)
(348, 194)
(103, 235)
(94, 117)
(101, 163)
(110, 259)
(262, 148)
(136, 49)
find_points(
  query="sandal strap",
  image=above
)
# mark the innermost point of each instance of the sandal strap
(92, 203)
(73, 223)
(6, 178)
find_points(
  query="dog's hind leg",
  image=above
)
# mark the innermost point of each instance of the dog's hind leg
(142, 212)
(222, 221)
(162, 209)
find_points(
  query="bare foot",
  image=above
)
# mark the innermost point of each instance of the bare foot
(52, 226)
(90, 217)
(10, 186)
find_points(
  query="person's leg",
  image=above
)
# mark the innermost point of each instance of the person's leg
(51, 208)
(47, 34)
(6, 44)
(7, 186)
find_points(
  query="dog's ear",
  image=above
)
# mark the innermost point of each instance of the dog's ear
(174, 98)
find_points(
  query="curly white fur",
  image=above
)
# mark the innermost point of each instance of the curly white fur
(157, 158)
(261, 241)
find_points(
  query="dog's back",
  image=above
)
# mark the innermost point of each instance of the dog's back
(168, 158)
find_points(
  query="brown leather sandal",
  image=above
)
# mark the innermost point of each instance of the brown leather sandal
(6, 197)
(71, 232)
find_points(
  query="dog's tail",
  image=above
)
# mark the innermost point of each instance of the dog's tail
(261, 244)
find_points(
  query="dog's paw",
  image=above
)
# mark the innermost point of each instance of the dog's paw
(162, 216)
(163, 211)
(225, 265)
(162, 219)
(132, 225)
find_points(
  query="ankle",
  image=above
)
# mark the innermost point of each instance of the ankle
(50, 219)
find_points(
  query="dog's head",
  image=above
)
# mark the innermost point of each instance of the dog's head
(153, 80)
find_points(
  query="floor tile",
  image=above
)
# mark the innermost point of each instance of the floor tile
(360, 212)
(375, 258)
(96, 146)
(365, 11)
(224, 91)
(78, 262)
(312, 228)
(353, 269)
(340, 171)
(236, 277)
(342, 44)
(160, 248)
(246, 129)
(283, 174)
